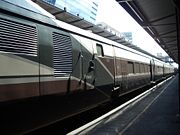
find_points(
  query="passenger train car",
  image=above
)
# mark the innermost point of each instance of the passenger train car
(44, 57)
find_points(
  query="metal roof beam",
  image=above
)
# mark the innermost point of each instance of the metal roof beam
(118, 39)
(75, 21)
(89, 27)
(168, 37)
(171, 46)
(170, 41)
(110, 36)
(172, 51)
(161, 24)
(99, 32)
(169, 32)
(59, 12)
(162, 18)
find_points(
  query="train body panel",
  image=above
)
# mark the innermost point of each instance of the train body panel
(42, 57)
(63, 61)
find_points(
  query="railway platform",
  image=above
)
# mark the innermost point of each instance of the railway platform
(154, 115)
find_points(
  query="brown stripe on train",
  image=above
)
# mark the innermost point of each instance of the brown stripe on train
(25, 90)
(17, 91)
(53, 87)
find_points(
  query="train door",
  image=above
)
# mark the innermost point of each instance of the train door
(152, 69)
(104, 59)
(120, 80)
(87, 64)
(117, 74)
(163, 70)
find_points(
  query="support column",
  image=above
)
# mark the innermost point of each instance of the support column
(178, 45)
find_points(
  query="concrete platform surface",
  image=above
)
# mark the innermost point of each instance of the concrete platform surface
(154, 115)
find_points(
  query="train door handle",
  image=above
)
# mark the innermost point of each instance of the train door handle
(91, 66)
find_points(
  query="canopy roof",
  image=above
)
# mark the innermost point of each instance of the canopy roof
(160, 19)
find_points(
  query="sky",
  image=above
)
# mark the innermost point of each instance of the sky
(110, 12)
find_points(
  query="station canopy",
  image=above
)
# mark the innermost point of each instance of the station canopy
(76, 20)
(63, 15)
(160, 19)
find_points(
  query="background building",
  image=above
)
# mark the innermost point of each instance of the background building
(52, 2)
(86, 9)
(128, 36)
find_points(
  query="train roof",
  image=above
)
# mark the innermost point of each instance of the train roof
(39, 14)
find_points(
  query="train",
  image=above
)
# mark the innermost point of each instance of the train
(44, 59)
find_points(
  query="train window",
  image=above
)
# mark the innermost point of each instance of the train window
(149, 67)
(130, 67)
(142, 68)
(108, 50)
(137, 68)
(124, 67)
(99, 50)
(146, 68)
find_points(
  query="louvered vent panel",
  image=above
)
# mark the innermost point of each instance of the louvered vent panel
(62, 56)
(17, 38)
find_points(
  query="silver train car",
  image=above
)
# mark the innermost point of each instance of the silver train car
(44, 57)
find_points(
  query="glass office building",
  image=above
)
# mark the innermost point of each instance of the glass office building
(86, 9)
(128, 36)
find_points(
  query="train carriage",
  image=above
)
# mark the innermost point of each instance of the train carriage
(44, 58)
